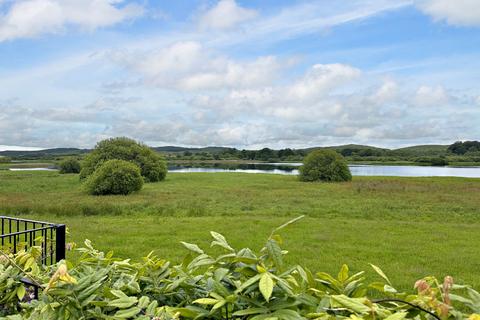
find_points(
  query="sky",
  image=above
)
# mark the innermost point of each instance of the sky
(239, 73)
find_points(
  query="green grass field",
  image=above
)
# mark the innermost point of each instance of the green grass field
(411, 227)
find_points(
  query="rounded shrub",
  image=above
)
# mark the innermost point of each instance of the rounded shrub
(115, 177)
(324, 165)
(69, 165)
(152, 166)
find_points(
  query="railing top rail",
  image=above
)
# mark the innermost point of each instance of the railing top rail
(25, 231)
(28, 220)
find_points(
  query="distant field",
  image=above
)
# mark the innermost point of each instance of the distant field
(411, 227)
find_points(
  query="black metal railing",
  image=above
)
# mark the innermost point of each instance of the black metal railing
(20, 234)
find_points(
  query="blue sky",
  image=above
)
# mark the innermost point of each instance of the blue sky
(247, 74)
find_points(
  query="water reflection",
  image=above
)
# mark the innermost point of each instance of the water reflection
(357, 170)
(292, 169)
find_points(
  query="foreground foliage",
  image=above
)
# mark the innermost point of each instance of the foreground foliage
(232, 284)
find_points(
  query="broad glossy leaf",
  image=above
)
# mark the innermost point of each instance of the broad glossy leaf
(266, 286)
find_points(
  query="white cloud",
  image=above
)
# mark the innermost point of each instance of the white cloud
(426, 96)
(225, 15)
(17, 148)
(306, 99)
(454, 12)
(190, 66)
(320, 79)
(387, 92)
(31, 18)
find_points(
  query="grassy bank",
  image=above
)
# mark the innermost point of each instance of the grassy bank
(410, 226)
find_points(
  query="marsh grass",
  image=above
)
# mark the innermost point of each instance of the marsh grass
(412, 227)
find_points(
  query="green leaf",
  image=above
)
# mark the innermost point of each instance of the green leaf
(21, 292)
(354, 304)
(123, 303)
(220, 241)
(380, 273)
(343, 274)
(250, 311)
(275, 253)
(266, 286)
(206, 301)
(219, 304)
(192, 247)
(127, 313)
(151, 308)
(249, 282)
(143, 302)
(29, 263)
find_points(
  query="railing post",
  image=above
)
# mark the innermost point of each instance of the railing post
(59, 242)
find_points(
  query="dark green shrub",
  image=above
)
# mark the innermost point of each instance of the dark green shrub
(152, 166)
(69, 165)
(324, 165)
(115, 177)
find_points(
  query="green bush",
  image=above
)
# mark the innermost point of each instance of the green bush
(152, 166)
(232, 284)
(115, 177)
(324, 165)
(69, 165)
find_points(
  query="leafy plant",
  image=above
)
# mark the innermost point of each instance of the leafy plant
(70, 165)
(152, 166)
(114, 177)
(231, 284)
(324, 165)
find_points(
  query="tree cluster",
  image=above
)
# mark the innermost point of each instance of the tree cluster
(119, 166)
(464, 147)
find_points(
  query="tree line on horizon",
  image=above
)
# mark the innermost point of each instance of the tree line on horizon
(466, 151)
(436, 155)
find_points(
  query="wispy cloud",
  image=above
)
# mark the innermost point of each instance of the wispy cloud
(306, 18)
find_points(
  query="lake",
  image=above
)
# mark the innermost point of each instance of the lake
(292, 169)
(357, 170)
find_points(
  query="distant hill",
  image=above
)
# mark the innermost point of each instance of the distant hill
(346, 146)
(423, 150)
(355, 147)
(62, 152)
(173, 149)
(46, 153)
(420, 150)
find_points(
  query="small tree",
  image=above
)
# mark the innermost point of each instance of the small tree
(115, 177)
(324, 165)
(152, 166)
(69, 165)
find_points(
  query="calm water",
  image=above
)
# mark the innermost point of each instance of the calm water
(357, 170)
(32, 169)
(292, 169)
